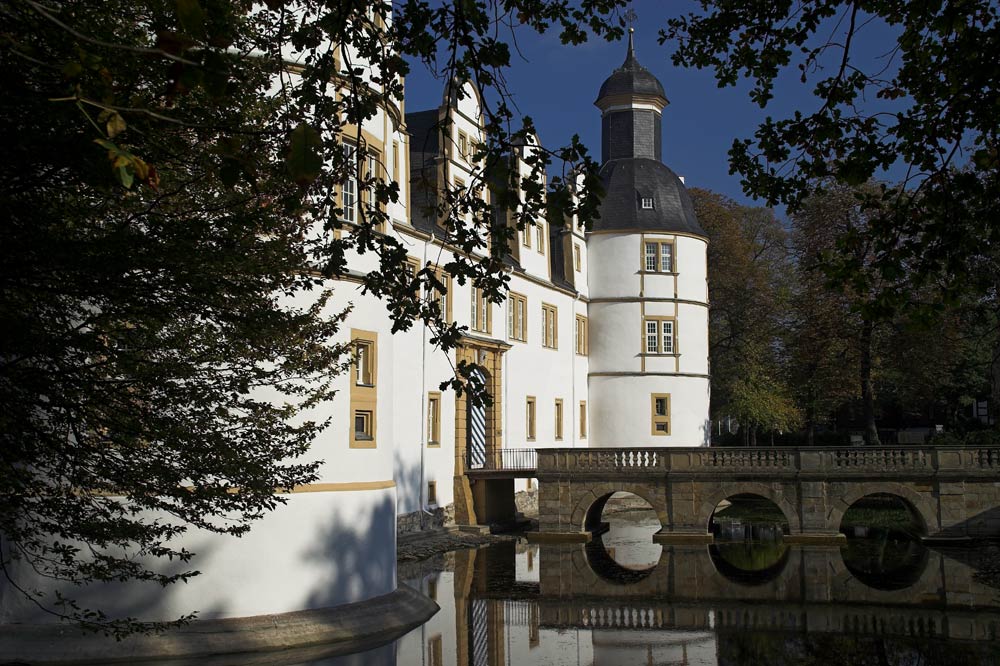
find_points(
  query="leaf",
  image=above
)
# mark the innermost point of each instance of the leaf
(304, 162)
(115, 125)
(192, 17)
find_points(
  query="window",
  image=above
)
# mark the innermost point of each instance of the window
(463, 145)
(583, 419)
(582, 336)
(395, 161)
(529, 423)
(432, 588)
(577, 260)
(412, 267)
(517, 312)
(526, 237)
(364, 394)
(659, 256)
(372, 176)
(559, 419)
(363, 424)
(659, 334)
(432, 492)
(435, 651)
(550, 326)
(364, 362)
(660, 413)
(442, 293)
(647, 203)
(540, 236)
(349, 199)
(481, 312)
(434, 419)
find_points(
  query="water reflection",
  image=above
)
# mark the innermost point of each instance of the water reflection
(728, 604)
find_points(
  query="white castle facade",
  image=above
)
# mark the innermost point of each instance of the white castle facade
(602, 342)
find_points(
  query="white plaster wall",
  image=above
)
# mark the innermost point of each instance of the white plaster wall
(620, 412)
(321, 549)
(691, 263)
(692, 338)
(535, 260)
(546, 374)
(614, 267)
(615, 337)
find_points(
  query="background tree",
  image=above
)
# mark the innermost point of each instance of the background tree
(747, 258)
(170, 190)
(927, 105)
(835, 222)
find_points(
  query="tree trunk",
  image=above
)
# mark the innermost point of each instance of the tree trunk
(993, 406)
(753, 435)
(867, 392)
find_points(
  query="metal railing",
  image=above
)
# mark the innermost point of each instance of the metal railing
(504, 460)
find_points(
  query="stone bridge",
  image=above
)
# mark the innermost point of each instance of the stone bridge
(953, 491)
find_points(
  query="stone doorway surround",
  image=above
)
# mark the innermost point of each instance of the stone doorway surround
(488, 354)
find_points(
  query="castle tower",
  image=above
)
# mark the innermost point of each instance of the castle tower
(648, 379)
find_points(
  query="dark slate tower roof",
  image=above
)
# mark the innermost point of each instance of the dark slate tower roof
(631, 102)
(628, 181)
(631, 78)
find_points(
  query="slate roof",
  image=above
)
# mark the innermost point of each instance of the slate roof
(627, 181)
(632, 78)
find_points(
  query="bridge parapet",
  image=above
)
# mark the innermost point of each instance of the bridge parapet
(849, 461)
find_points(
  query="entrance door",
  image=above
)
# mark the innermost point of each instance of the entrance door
(477, 428)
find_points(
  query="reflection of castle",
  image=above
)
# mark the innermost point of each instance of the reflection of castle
(601, 342)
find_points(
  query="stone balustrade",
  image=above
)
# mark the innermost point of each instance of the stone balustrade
(845, 461)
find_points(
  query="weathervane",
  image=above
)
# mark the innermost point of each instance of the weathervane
(631, 17)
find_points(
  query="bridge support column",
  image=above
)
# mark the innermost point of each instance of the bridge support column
(494, 501)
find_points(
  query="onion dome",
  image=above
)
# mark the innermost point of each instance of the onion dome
(631, 79)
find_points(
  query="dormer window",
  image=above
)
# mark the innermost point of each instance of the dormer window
(646, 203)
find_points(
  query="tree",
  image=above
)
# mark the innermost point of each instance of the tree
(927, 105)
(836, 221)
(169, 185)
(747, 255)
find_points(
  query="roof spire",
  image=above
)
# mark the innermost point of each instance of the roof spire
(631, 17)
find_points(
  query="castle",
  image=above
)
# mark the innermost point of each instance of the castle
(601, 342)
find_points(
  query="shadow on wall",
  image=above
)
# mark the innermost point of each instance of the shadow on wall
(143, 600)
(408, 484)
(331, 559)
(986, 523)
(356, 568)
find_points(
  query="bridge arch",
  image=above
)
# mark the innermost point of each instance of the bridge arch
(921, 504)
(589, 505)
(779, 498)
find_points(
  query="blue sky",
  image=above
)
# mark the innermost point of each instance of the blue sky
(556, 85)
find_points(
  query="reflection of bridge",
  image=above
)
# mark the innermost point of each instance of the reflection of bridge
(814, 592)
(952, 490)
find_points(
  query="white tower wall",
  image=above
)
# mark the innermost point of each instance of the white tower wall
(623, 377)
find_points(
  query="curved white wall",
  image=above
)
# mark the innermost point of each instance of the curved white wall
(323, 548)
(622, 375)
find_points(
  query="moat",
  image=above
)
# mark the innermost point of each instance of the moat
(882, 599)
